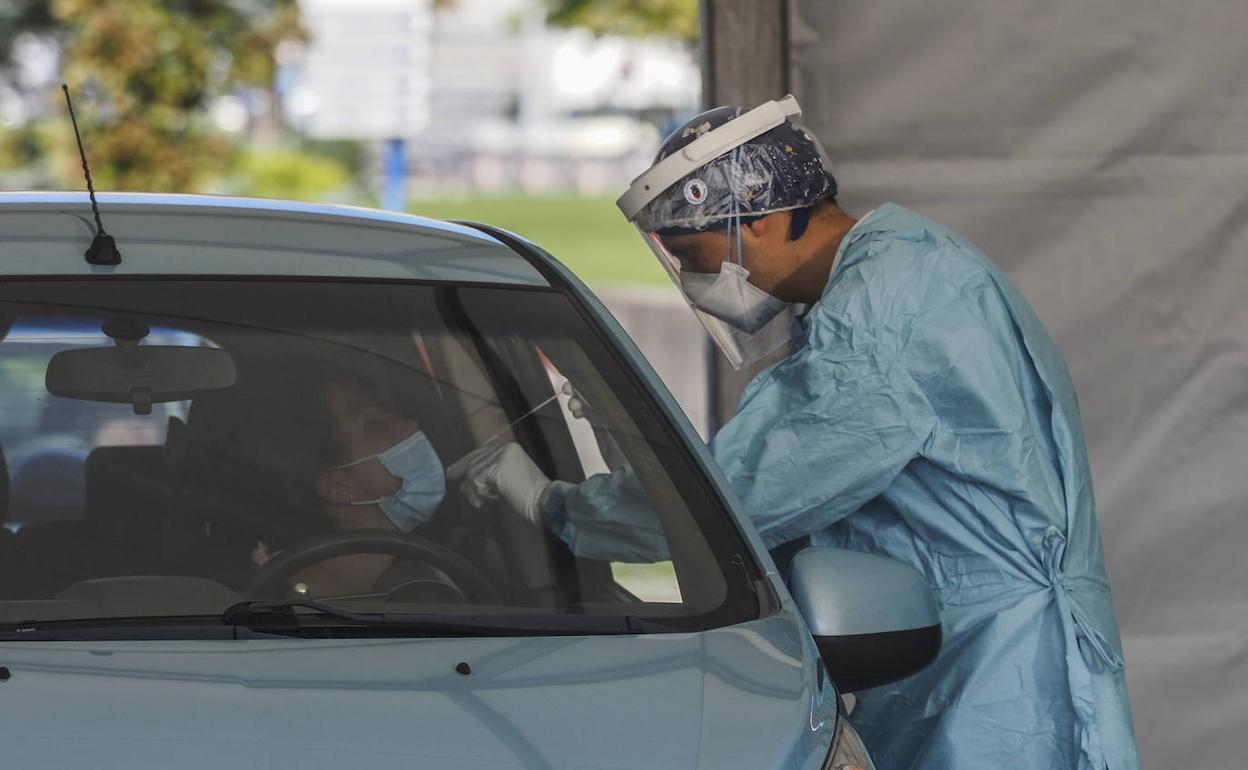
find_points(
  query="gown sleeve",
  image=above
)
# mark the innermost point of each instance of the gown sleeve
(606, 517)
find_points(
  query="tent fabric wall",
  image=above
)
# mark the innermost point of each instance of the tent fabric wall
(1098, 152)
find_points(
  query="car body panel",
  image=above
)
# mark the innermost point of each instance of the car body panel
(737, 697)
(47, 233)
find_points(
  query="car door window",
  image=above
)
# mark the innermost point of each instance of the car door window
(599, 454)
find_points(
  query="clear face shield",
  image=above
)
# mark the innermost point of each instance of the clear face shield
(744, 321)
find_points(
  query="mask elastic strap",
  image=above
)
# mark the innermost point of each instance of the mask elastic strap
(736, 212)
(376, 455)
(355, 462)
(740, 249)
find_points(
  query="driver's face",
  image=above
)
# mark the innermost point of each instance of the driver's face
(361, 428)
(364, 428)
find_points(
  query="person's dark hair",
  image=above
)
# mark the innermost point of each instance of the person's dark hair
(259, 447)
(799, 221)
(801, 218)
(797, 225)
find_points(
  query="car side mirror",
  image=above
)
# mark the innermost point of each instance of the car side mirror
(874, 619)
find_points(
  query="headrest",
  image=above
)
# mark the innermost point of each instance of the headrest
(129, 475)
(49, 486)
(126, 509)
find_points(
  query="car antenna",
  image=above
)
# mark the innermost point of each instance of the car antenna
(103, 249)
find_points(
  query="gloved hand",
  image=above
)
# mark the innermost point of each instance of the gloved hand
(504, 471)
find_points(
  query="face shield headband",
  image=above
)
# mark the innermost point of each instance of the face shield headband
(701, 151)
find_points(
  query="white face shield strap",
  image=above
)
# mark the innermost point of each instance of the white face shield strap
(703, 150)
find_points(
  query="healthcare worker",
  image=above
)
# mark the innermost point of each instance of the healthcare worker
(923, 413)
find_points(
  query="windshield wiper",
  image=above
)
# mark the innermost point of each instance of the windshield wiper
(262, 613)
(271, 616)
(266, 618)
(119, 628)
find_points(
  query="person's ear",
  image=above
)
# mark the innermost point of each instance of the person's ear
(335, 487)
(758, 228)
(769, 228)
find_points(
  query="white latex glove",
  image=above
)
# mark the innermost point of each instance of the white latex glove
(504, 471)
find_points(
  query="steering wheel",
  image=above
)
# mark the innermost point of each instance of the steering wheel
(271, 578)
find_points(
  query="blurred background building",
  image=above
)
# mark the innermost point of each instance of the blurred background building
(484, 95)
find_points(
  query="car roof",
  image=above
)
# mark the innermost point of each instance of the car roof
(46, 233)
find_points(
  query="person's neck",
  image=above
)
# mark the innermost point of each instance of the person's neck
(826, 231)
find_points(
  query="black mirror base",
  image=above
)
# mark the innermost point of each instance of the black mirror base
(862, 661)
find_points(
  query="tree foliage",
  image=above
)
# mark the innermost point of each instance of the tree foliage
(143, 72)
(287, 172)
(638, 18)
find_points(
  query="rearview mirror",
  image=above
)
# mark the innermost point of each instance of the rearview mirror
(874, 619)
(139, 374)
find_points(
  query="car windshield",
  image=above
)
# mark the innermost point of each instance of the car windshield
(287, 440)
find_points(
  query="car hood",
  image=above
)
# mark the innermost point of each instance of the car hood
(738, 697)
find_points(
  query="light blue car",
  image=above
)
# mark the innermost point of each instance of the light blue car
(228, 541)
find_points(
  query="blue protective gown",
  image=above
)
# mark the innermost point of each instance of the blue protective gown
(925, 414)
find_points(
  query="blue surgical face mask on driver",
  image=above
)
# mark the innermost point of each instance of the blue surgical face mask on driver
(416, 464)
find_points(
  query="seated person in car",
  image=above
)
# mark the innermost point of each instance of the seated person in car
(300, 450)
(389, 477)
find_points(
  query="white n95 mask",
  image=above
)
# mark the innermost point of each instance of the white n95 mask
(416, 464)
(729, 296)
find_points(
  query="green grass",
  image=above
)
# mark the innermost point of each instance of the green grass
(648, 582)
(589, 235)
